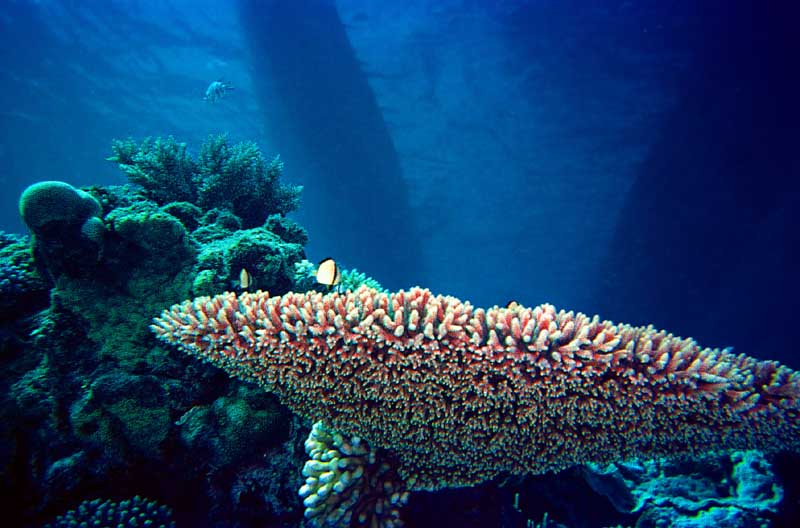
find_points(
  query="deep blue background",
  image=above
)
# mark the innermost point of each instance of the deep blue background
(632, 159)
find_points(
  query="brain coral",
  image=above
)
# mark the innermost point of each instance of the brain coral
(459, 395)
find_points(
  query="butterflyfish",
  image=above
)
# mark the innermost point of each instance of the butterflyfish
(245, 279)
(328, 272)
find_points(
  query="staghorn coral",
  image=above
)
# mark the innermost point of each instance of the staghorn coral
(458, 395)
(238, 178)
(235, 178)
(162, 166)
(305, 276)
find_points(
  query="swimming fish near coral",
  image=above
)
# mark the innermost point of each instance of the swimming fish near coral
(328, 272)
(245, 279)
(217, 90)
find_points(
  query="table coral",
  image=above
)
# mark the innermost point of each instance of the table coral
(458, 395)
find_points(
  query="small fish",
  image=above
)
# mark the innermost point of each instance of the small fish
(217, 90)
(512, 305)
(245, 279)
(328, 272)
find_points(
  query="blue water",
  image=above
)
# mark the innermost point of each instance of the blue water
(638, 160)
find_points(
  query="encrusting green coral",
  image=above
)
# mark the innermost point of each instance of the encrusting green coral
(226, 429)
(78, 297)
(267, 258)
(122, 413)
(150, 228)
(733, 489)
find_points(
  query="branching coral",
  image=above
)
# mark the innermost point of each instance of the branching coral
(348, 484)
(162, 166)
(235, 178)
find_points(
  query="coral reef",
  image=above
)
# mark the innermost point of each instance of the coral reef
(128, 513)
(459, 395)
(734, 490)
(161, 166)
(412, 391)
(267, 489)
(90, 397)
(148, 256)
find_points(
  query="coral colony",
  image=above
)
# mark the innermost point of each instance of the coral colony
(457, 395)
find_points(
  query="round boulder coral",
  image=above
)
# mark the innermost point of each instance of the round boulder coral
(49, 203)
(66, 222)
